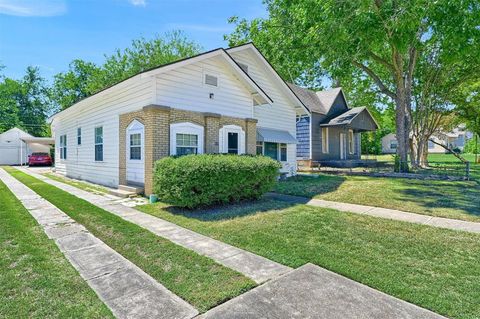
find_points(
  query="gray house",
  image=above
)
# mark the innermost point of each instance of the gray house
(330, 134)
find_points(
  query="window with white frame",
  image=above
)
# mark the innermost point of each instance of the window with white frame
(63, 147)
(186, 138)
(99, 143)
(393, 144)
(136, 146)
(259, 148)
(79, 136)
(211, 79)
(351, 142)
(325, 139)
(271, 150)
(231, 139)
(283, 152)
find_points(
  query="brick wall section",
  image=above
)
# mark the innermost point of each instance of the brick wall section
(157, 120)
(251, 136)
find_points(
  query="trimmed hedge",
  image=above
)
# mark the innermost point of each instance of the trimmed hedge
(199, 180)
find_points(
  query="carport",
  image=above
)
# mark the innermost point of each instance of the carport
(33, 143)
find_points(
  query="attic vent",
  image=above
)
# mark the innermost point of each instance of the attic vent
(244, 67)
(211, 80)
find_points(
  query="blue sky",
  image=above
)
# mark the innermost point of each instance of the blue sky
(51, 33)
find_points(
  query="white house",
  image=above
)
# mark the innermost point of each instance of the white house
(14, 150)
(453, 139)
(221, 101)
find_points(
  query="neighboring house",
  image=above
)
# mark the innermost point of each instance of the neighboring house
(455, 139)
(330, 134)
(16, 145)
(221, 101)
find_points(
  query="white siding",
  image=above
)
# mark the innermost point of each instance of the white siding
(102, 109)
(281, 114)
(184, 88)
(10, 144)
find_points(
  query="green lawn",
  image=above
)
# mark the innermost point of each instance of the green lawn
(36, 280)
(431, 267)
(89, 187)
(451, 199)
(197, 279)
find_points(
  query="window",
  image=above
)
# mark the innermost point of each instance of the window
(393, 145)
(211, 80)
(186, 144)
(232, 147)
(99, 144)
(271, 150)
(79, 136)
(325, 139)
(186, 138)
(63, 147)
(283, 152)
(243, 66)
(431, 145)
(351, 142)
(136, 146)
(259, 148)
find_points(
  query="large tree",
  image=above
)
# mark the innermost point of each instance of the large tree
(25, 103)
(379, 39)
(85, 78)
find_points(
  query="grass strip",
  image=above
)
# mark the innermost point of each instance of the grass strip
(79, 184)
(449, 199)
(36, 280)
(197, 279)
(434, 268)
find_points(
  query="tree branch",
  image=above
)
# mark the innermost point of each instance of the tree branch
(381, 60)
(376, 79)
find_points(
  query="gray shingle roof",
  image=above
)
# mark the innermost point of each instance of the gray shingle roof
(319, 102)
(345, 118)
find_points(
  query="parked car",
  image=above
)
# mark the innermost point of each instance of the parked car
(39, 159)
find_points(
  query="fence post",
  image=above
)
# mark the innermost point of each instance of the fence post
(467, 170)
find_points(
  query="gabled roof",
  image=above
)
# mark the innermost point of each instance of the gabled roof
(17, 129)
(291, 94)
(244, 78)
(347, 117)
(320, 101)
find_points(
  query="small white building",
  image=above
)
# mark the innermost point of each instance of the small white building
(14, 150)
(456, 138)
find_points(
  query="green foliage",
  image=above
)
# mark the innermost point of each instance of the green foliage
(471, 147)
(85, 78)
(200, 180)
(25, 103)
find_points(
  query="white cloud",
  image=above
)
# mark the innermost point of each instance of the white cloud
(33, 8)
(138, 3)
(200, 27)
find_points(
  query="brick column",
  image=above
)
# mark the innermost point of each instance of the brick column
(212, 126)
(251, 136)
(157, 129)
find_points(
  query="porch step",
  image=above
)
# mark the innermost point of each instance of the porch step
(125, 191)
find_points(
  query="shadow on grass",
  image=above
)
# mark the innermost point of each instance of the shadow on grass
(310, 186)
(456, 195)
(230, 211)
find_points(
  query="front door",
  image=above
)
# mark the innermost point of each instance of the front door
(342, 146)
(135, 153)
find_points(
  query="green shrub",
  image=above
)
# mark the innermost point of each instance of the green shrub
(200, 180)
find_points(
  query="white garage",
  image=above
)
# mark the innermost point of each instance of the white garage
(16, 145)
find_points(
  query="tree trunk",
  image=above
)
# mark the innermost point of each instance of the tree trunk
(402, 119)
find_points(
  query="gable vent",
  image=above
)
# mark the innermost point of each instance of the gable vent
(211, 80)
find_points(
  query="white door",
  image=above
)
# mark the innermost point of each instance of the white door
(135, 152)
(342, 146)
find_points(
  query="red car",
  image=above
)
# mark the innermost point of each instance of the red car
(39, 159)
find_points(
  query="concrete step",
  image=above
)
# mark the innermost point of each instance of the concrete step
(130, 188)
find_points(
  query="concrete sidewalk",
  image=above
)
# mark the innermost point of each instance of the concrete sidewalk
(313, 292)
(258, 268)
(127, 290)
(453, 224)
